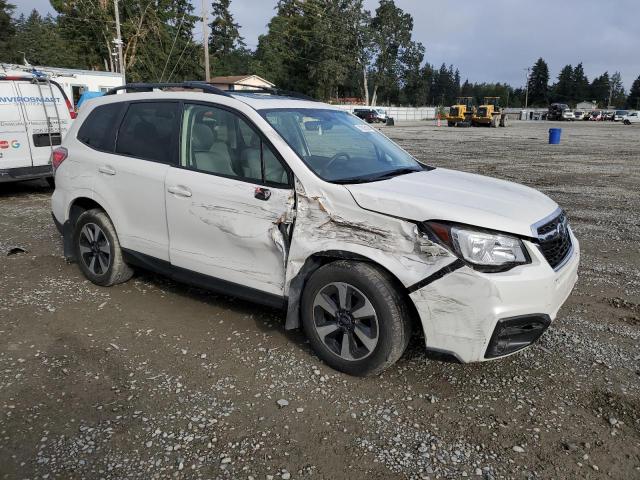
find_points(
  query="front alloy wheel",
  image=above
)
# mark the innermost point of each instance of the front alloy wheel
(345, 321)
(355, 316)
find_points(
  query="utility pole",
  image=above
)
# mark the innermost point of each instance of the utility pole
(205, 43)
(526, 95)
(118, 42)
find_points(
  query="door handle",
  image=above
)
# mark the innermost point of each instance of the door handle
(107, 170)
(180, 191)
(262, 193)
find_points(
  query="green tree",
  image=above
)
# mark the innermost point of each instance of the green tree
(633, 100)
(539, 84)
(580, 84)
(599, 89)
(229, 55)
(616, 90)
(564, 90)
(7, 28)
(391, 31)
(413, 88)
(38, 40)
(156, 35)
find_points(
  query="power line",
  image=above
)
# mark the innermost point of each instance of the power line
(173, 45)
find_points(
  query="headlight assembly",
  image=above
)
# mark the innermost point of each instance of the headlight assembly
(481, 249)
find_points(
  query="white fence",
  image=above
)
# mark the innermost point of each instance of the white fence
(401, 113)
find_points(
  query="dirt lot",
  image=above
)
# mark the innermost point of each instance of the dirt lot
(153, 379)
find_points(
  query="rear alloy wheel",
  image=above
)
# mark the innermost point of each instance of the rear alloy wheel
(98, 250)
(355, 318)
(95, 249)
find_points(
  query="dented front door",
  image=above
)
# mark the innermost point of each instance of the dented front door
(227, 228)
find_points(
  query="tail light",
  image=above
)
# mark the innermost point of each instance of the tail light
(58, 156)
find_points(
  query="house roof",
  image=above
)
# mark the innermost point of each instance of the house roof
(235, 79)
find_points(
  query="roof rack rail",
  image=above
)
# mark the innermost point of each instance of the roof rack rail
(270, 91)
(148, 87)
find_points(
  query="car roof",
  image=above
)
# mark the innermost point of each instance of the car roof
(255, 100)
(264, 101)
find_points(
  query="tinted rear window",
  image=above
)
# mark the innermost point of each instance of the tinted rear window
(98, 130)
(149, 131)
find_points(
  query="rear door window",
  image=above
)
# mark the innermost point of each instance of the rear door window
(149, 131)
(99, 129)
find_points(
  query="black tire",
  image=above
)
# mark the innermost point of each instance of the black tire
(393, 325)
(51, 182)
(116, 271)
(451, 124)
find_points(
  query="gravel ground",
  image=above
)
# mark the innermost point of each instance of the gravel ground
(153, 379)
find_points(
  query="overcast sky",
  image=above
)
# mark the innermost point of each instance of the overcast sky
(495, 40)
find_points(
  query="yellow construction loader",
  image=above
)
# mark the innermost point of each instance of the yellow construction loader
(490, 113)
(461, 112)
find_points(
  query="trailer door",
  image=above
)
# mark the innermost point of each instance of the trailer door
(15, 151)
(48, 118)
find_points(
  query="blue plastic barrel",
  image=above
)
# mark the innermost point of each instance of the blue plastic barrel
(554, 136)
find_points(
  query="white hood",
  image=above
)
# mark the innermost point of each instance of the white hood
(443, 194)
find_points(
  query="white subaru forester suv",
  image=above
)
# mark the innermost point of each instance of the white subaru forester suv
(297, 204)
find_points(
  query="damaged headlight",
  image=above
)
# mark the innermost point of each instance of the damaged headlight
(483, 250)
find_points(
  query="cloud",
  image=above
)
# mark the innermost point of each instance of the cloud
(494, 40)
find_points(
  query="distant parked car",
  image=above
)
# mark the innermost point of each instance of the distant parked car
(371, 115)
(559, 111)
(587, 116)
(631, 117)
(619, 115)
(596, 116)
(609, 116)
(578, 115)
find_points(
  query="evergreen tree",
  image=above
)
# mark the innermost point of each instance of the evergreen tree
(564, 90)
(38, 40)
(617, 94)
(225, 32)
(599, 90)
(7, 28)
(229, 55)
(539, 84)
(580, 84)
(633, 100)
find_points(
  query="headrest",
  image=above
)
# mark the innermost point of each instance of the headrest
(201, 137)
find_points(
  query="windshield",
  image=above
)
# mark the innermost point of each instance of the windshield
(340, 147)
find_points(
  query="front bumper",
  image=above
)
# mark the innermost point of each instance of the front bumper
(25, 173)
(465, 312)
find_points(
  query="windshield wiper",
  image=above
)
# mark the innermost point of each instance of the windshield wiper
(396, 172)
(379, 176)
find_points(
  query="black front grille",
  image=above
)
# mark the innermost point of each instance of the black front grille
(554, 240)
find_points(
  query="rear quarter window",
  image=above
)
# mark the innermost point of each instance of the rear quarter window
(99, 130)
